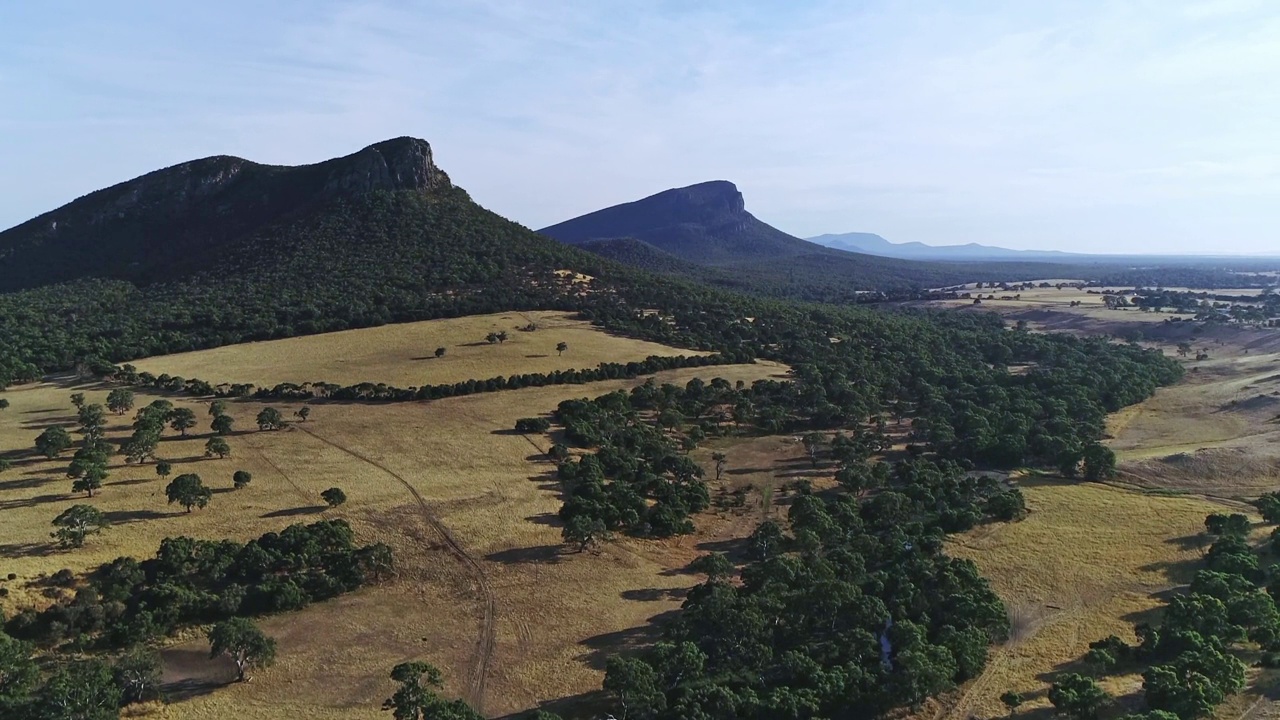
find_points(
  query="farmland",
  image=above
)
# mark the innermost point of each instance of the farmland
(483, 587)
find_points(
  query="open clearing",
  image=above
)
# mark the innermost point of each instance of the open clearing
(1089, 561)
(404, 354)
(484, 590)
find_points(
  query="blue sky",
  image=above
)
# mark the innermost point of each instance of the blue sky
(1121, 126)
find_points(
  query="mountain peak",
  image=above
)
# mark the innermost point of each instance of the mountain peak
(403, 163)
(719, 194)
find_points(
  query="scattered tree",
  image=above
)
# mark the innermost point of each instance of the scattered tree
(1078, 696)
(120, 400)
(163, 468)
(188, 491)
(242, 641)
(440, 352)
(217, 446)
(77, 399)
(241, 479)
(137, 674)
(533, 425)
(584, 531)
(813, 443)
(53, 441)
(334, 497)
(90, 478)
(182, 419)
(4, 404)
(416, 698)
(1011, 700)
(561, 347)
(77, 523)
(721, 461)
(221, 424)
(303, 413)
(218, 407)
(270, 419)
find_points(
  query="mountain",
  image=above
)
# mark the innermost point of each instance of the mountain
(873, 244)
(176, 220)
(708, 225)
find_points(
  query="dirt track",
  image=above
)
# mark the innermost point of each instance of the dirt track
(483, 657)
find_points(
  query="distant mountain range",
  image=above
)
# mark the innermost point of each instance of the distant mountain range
(873, 244)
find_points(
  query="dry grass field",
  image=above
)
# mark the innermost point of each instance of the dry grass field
(1088, 561)
(404, 354)
(468, 506)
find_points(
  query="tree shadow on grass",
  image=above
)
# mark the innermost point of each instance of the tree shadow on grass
(601, 647)
(596, 703)
(132, 481)
(28, 549)
(121, 517)
(31, 502)
(532, 554)
(295, 512)
(547, 518)
(189, 673)
(26, 483)
(655, 594)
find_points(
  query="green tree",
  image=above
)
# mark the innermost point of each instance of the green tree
(53, 441)
(716, 566)
(217, 407)
(83, 690)
(19, 673)
(120, 400)
(77, 523)
(93, 421)
(561, 347)
(334, 497)
(216, 446)
(635, 685)
(722, 461)
(1011, 700)
(90, 478)
(584, 531)
(137, 674)
(4, 403)
(1099, 462)
(270, 419)
(416, 697)
(182, 419)
(813, 443)
(5, 464)
(241, 479)
(163, 468)
(440, 352)
(1078, 696)
(77, 399)
(303, 413)
(221, 424)
(188, 491)
(242, 641)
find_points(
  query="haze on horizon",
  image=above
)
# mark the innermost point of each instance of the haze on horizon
(1138, 126)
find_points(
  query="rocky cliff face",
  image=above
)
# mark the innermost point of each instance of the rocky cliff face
(401, 164)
